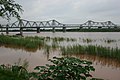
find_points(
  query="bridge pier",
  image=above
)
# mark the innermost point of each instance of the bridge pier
(38, 30)
(89, 27)
(80, 27)
(108, 27)
(53, 30)
(1, 27)
(64, 29)
(99, 27)
(21, 31)
(7, 31)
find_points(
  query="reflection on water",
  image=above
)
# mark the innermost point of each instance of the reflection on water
(105, 67)
(11, 56)
(17, 48)
(99, 60)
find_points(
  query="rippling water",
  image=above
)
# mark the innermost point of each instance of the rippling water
(107, 69)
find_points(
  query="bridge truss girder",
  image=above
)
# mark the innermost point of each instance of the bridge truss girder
(53, 23)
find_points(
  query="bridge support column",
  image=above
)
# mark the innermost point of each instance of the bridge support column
(7, 31)
(80, 27)
(64, 29)
(1, 30)
(21, 31)
(109, 27)
(38, 30)
(89, 27)
(53, 30)
(99, 27)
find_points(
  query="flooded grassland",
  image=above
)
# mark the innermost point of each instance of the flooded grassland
(103, 49)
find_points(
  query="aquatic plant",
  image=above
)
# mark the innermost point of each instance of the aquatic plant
(92, 50)
(47, 49)
(60, 39)
(87, 40)
(109, 41)
(26, 42)
(54, 45)
(47, 38)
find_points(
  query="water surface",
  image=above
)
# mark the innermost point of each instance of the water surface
(107, 69)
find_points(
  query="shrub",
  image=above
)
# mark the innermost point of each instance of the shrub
(13, 73)
(67, 68)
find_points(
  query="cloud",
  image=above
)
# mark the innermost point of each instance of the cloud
(71, 11)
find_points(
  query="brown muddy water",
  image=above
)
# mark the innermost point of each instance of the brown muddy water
(105, 68)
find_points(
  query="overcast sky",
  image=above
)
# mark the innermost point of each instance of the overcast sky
(71, 11)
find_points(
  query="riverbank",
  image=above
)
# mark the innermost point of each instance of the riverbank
(69, 30)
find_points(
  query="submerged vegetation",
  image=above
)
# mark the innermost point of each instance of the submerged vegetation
(60, 39)
(87, 40)
(60, 65)
(48, 43)
(24, 42)
(92, 50)
(109, 41)
(31, 43)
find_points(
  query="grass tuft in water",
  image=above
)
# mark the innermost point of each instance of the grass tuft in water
(26, 42)
(92, 50)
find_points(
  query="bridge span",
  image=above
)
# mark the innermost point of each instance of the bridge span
(53, 24)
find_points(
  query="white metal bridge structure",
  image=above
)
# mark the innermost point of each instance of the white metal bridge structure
(53, 24)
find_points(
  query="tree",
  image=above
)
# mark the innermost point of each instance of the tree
(8, 8)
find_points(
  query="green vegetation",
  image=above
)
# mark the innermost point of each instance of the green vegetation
(8, 8)
(13, 73)
(32, 43)
(41, 42)
(88, 40)
(24, 42)
(92, 50)
(60, 39)
(110, 41)
(65, 68)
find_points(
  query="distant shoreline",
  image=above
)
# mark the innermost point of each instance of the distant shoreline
(70, 30)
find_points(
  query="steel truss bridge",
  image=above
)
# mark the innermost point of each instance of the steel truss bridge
(55, 24)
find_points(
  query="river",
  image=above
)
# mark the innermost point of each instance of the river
(107, 69)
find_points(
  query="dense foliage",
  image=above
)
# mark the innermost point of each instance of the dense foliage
(13, 73)
(67, 68)
(8, 8)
